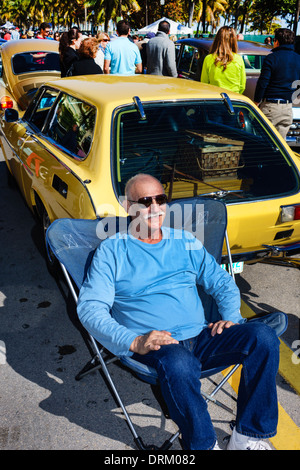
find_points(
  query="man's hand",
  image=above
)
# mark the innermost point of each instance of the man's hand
(151, 341)
(218, 327)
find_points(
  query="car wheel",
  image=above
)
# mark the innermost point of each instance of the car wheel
(11, 182)
(51, 260)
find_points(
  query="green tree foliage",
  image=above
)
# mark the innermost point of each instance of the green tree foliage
(260, 15)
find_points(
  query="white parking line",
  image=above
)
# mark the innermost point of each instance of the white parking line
(2, 353)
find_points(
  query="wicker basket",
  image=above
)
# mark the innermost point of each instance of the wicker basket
(215, 156)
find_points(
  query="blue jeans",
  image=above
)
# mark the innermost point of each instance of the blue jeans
(179, 368)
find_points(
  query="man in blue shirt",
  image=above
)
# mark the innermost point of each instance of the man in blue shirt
(122, 56)
(140, 298)
(275, 85)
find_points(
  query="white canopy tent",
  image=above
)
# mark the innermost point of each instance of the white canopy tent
(176, 28)
(7, 25)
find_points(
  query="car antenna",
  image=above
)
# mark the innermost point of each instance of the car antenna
(228, 103)
(139, 107)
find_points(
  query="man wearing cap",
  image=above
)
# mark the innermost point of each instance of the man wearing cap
(161, 59)
(274, 88)
(143, 49)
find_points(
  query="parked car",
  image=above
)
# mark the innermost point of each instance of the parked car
(190, 56)
(191, 53)
(82, 138)
(24, 65)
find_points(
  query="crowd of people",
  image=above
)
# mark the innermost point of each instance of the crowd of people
(122, 54)
(126, 54)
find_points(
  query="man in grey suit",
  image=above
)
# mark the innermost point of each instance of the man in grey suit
(161, 53)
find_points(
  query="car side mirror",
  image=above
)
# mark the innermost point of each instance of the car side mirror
(11, 115)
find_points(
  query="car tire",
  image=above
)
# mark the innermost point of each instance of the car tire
(11, 182)
(51, 261)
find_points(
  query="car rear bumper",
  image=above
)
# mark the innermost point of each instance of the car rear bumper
(268, 251)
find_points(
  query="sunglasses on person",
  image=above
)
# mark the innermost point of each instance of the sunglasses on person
(146, 201)
(105, 40)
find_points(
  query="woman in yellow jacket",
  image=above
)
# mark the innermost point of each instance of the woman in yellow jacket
(223, 67)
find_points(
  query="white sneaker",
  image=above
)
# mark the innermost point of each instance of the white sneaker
(240, 442)
(216, 446)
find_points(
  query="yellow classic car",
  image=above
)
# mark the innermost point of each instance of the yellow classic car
(24, 65)
(82, 138)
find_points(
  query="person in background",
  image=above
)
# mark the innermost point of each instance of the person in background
(7, 35)
(69, 44)
(44, 31)
(103, 39)
(161, 58)
(15, 34)
(143, 49)
(122, 56)
(274, 88)
(268, 41)
(86, 64)
(134, 38)
(224, 67)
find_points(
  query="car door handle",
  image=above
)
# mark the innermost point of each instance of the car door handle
(60, 186)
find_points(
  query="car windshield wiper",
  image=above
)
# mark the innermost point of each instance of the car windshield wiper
(222, 193)
(228, 103)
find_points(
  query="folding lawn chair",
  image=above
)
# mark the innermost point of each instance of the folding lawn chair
(74, 241)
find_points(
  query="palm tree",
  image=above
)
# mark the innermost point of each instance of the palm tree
(209, 12)
(113, 9)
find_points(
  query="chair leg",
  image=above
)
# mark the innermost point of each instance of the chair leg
(102, 364)
(210, 397)
(92, 366)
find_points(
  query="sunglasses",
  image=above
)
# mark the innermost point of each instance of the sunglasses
(160, 199)
(105, 40)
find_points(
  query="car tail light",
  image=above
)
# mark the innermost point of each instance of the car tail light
(242, 120)
(6, 102)
(289, 213)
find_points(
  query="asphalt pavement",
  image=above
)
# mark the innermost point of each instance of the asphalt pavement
(42, 348)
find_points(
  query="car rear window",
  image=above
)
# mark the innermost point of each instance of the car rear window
(197, 148)
(36, 61)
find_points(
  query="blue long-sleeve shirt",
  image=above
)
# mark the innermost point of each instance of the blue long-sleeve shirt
(134, 287)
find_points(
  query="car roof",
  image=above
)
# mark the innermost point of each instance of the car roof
(114, 90)
(18, 46)
(246, 47)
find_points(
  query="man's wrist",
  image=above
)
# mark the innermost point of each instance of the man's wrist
(135, 344)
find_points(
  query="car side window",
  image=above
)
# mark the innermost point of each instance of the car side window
(72, 125)
(186, 59)
(191, 62)
(253, 62)
(42, 109)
